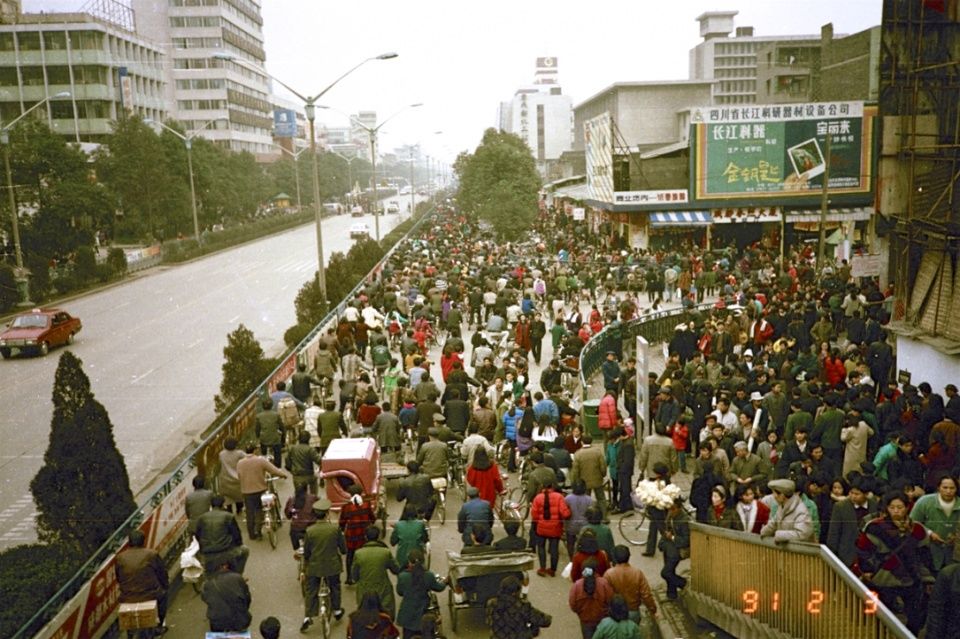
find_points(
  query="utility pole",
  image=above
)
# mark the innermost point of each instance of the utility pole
(413, 190)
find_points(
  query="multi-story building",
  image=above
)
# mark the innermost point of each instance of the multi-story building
(751, 69)
(204, 88)
(541, 115)
(97, 58)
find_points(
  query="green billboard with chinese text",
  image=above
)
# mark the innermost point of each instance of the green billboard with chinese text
(782, 151)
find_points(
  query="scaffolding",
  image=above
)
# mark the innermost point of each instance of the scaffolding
(115, 12)
(920, 112)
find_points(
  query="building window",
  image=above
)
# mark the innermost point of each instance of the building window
(6, 42)
(61, 109)
(58, 75)
(55, 40)
(29, 41)
(88, 40)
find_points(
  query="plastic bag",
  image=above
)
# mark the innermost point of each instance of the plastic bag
(567, 570)
(192, 569)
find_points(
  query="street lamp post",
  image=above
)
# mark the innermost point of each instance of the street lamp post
(188, 143)
(372, 132)
(349, 162)
(309, 108)
(296, 169)
(20, 275)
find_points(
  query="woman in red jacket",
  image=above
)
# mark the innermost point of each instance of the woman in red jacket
(485, 477)
(548, 512)
(834, 372)
(607, 415)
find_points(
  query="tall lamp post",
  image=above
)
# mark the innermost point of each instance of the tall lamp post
(21, 275)
(188, 142)
(349, 162)
(296, 168)
(372, 132)
(309, 109)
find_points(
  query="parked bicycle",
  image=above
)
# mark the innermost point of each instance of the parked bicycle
(270, 502)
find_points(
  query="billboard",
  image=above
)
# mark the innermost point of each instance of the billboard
(284, 123)
(780, 151)
(598, 146)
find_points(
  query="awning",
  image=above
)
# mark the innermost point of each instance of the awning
(833, 215)
(681, 218)
(573, 192)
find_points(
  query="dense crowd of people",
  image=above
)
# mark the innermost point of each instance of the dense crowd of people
(777, 401)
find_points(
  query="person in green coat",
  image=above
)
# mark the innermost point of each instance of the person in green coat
(323, 550)
(414, 585)
(617, 624)
(370, 565)
(409, 534)
(932, 511)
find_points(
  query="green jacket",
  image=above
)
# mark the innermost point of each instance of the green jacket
(370, 565)
(331, 426)
(407, 535)
(610, 629)
(927, 511)
(827, 429)
(416, 597)
(269, 428)
(604, 537)
(322, 547)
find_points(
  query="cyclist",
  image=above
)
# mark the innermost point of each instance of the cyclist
(380, 356)
(417, 490)
(219, 537)
(142, 576)
(434, 455)
(323, 550)
(301, 382)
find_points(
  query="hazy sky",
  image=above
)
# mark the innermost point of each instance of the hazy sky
(460, 59)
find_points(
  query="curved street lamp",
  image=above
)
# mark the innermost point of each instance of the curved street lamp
(309, 108)
(21, 275)
(188, 142)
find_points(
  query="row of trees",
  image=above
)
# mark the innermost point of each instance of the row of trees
(135, 189)
(499, 183)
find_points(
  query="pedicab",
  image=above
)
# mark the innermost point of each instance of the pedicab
(354, 461)
(475, 578)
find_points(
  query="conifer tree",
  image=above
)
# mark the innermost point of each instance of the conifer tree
(82, 492)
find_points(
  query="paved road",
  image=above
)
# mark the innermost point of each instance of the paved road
(153, 349)
(272, 573)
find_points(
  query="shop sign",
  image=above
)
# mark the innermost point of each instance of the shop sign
(651, 197)
(579, 213)
(748, 215)
(865, 265)
(781, 150)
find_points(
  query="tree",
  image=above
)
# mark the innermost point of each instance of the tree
(68, 219)
(244, 367)
(82, 492)
(310, 307)
(499, 182)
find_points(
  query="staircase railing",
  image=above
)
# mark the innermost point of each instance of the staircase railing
(755, 588)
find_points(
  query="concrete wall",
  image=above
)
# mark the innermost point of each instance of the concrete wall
(926, 363)
(849, 68)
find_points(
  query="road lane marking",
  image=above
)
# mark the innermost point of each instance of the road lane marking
(233, 319)
(196, 343)
(137, 379)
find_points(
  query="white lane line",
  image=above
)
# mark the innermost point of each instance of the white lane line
(137, 379)
(233, 319)
(194, 344)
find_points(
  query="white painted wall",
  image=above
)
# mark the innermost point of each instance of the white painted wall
(926, 364)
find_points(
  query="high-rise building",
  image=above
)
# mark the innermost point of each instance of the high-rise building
(203, 88)
(94, 55)
(751, 69)
(541, 115)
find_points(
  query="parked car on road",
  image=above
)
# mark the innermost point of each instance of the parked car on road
(38, 331)
(393, 207)
(359, 230)
(356, 211)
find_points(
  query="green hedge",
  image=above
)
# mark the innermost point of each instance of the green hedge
(187, 249)
(29, 576)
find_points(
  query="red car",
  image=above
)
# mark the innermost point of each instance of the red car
(38, 331)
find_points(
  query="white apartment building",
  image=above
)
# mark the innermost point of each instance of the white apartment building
(202, 88)
(745, 65)
(541, 115)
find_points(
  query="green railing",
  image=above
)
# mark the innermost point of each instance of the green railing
(754, 588)
(237, 421)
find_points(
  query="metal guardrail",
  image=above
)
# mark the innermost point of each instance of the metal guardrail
(238, 419)
(656, 327)
(752, 588)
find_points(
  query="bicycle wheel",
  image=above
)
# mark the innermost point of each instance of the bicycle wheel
(441, 509)
(635, 528)
(271, 531)
(325, 614)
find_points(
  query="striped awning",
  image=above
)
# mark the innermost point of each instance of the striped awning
(858, 214)
(681, 218)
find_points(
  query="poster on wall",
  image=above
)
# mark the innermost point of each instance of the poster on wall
(598, 147)
(782, 150)
(579, 213)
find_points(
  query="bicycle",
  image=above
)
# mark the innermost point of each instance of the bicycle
(325, 609)
(635, 525)
(270, 502)
(440, 488)
(512, 506)
(455, 471)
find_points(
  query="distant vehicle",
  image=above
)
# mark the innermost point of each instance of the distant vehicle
(359, 230)
(38, 331)
(393, 207)
(356, 211)
(405, 190)
(333, 208)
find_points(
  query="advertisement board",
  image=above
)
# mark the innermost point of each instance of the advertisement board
(598, 147)
(781, 150)
(284, 123)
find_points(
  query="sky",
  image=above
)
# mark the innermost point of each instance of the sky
(461, 59)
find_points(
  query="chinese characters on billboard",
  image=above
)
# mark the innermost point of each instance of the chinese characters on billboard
(781, 150)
